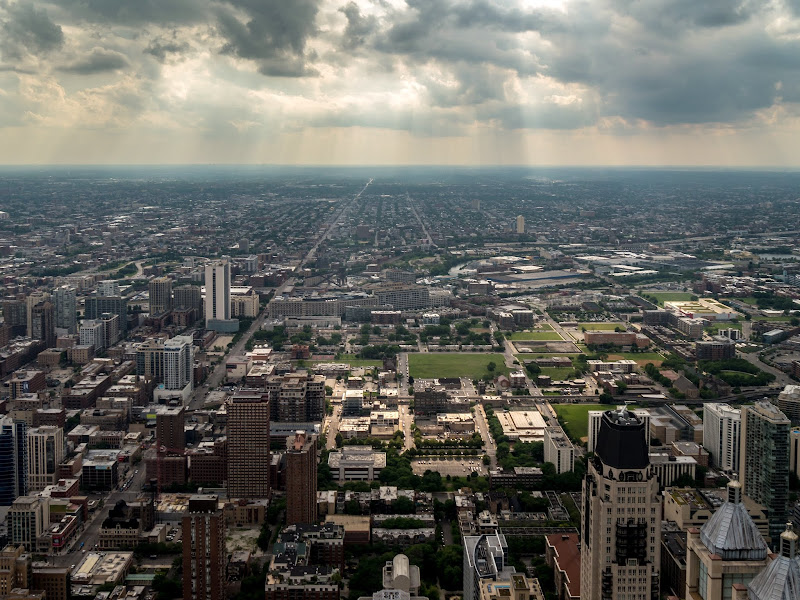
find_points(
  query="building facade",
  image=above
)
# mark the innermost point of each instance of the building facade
(301, 478)
(160, 293)
(204, 556)
(722, 435)
(248, 445)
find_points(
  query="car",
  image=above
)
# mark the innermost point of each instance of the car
(154, 556)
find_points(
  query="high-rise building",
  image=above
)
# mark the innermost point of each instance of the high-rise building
(170, 432)
(93, 333)
(188, 296)
(15, 315)
(727, 550)
(721, 435)
(596, 416)
(520, 224)
(621, 520)
(28, 518)
(179, 362)
(218, 292)
(558, 450)
(13, 460)
(43, 325)
(297, 397)
(781, 578)
(248, 445)
(301, 478)
(485, 557)
(32, 300)
(15, 570)
(794, 452)
(765, 461)
(97, 306)
(66, 303)
(160, 293)
(45, 453)
(204, 556)
(150, 359)
(789, 403)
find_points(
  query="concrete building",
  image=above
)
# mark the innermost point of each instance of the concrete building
(13, 460)
(520, 224)
(485, 558)
(204, 555)
(150, 359)
(297, 397)
(621, 524)
(301, 478)
(765, 460)
(725, 551)
(558, 449)
(248, 445)
(789, 403)
(28, 518)
(93, 333)
(107, 288)
(718, 348)
(722, 435)
(668, 468)
(65, 300)
(45, 453)
(516, 587)
(43, 323)
(15, 569)
(160, 294)
(97, 306)
(179, 363)
(188, 296)
(218, 297)
(170, 433)
(356, 463)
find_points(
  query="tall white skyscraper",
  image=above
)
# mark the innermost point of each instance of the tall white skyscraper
(178, 362)
(621, 524)
(218, 291)
(520, 224)
(66, 306)
(721, 435)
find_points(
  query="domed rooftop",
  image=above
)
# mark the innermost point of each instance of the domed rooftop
(730, 532)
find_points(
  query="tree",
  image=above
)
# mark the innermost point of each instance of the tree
(491, 367)
(339, 440)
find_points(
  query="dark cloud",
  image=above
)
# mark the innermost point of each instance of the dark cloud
(359, 27)
(163, 49)
(138, 12)
(26, 29)
(274, 35)
(99, 60)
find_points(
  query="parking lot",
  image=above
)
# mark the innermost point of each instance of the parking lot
(455, 467)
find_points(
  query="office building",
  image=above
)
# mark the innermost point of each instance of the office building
(789, 403)
(297, 397)
(721, 435)
(170, 432)
(726, 550)
(43, 324)
(248, 445)
(150, 359)
(97, 306)
(218, 297)
(93, 333)
(301, 478)
(66, 308)
(485, 558)
(621, 521)
(179, 363)
(765, 461)
(558, 450)
(204, 555)
(28, 518)
(13, 460)
(160, 295)
(45, 453)
(520, 224)
(188, 296)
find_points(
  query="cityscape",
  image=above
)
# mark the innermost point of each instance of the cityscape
(330, 384)
(399, 300)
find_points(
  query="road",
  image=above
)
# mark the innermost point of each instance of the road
(420, 221)
(406, 420)
(781, 378)
(482, 424)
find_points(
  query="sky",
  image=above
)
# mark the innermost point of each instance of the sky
(346, 82)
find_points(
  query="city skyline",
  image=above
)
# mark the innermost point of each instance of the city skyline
(478, 82)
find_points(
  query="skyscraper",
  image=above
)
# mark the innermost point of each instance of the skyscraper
(160, 293)
(621, 521)
(301, 478)
(188, 296)
(43, 326)
(765, 461)
(248, 445)
(13, 460)
(179, 362)
(97, 306)
(170, 427)
(66, 303)
(721, 435)
(204, 556)
(520, 224)
(218, 292)
(45, 453)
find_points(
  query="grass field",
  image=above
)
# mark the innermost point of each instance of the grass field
(543, 336)
(544, 327)
(430, 366)
(576, 417)
(557, 373)
(601, 326)
(667, 296)
(641, 358)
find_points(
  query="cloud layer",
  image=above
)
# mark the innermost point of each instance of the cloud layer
(259, 80)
